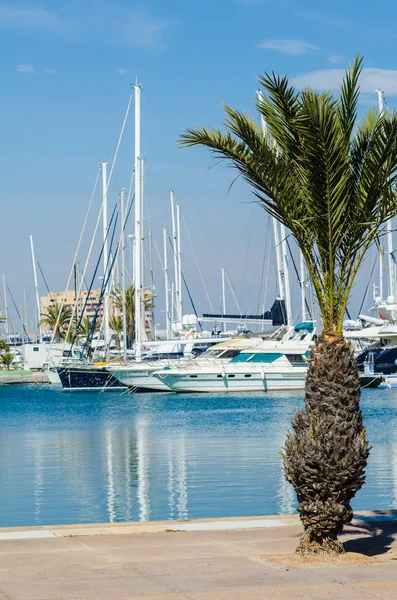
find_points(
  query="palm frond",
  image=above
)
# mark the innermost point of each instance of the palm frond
(332, 183)
(349, 96)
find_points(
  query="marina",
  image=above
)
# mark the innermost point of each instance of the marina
(198, 301)
(75, 457)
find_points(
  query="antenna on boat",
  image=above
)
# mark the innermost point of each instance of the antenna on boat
(138, 225)
(36, 287)
(389, 229)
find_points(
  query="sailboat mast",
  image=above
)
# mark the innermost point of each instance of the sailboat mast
(302, 284)
(25, 313)
(151, 280)
(281, 292)
(279, 267)
(381, 272)
(105, 255)
(223, 298)
(138, 229)
(286, 274)
(122, 274)
(36, 287)
(5, 307)
(389, 230)
(142, 242)
(175, 249)
(178, 229)
(166, 285)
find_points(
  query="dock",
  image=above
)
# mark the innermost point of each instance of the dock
(19, 377)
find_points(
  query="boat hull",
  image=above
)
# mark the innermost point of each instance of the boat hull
(53, 376)
(140, 379)
(93, 378)
(373, 381)
(219, 383)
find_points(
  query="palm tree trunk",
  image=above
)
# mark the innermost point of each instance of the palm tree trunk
(131, 329)
(326, 455)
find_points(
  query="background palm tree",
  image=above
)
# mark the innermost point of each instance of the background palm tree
(85, 327)
(50, 319)
(6, 357)
(116, 325)
(331, 181)
(117, 299)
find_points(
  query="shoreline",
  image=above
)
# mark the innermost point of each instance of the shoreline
(20, 377)
(174, 526)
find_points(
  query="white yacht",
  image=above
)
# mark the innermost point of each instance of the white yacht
(139, 376)
(274, 364)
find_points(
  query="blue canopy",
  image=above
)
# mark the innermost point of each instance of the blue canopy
(308, 325)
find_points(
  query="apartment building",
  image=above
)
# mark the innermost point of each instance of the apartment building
(69, 299)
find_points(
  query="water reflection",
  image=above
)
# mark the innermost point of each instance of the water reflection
(143, 467)
(88, 458)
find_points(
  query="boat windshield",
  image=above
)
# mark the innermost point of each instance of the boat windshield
(211, 353)
(296, 359)
(257, 357)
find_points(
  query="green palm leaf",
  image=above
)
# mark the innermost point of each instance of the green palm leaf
(329, 180)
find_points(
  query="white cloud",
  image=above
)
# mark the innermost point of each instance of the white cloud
(371, 79)
(294, 47)
(26, 68)
(122, 71)
(21, 17)
(50, 71)
(335, 59)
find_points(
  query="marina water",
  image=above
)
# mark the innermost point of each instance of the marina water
(110, 457)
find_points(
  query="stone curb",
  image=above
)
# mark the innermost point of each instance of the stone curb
(220, 524)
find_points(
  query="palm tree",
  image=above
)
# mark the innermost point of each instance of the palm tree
(85, 327)
(7, 359)
(56, 318)
(331, 181)
(116, 325)
(117, 299)
(4, 346)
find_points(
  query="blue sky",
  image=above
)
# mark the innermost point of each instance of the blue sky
(66, 67)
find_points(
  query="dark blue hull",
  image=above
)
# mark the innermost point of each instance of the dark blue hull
(86, 378)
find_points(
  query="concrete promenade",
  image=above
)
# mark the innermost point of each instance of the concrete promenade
(19, 377)
(229, 559)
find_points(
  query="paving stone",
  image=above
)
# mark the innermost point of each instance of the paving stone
(254, 564)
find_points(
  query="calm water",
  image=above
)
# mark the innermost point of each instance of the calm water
(87, 457)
